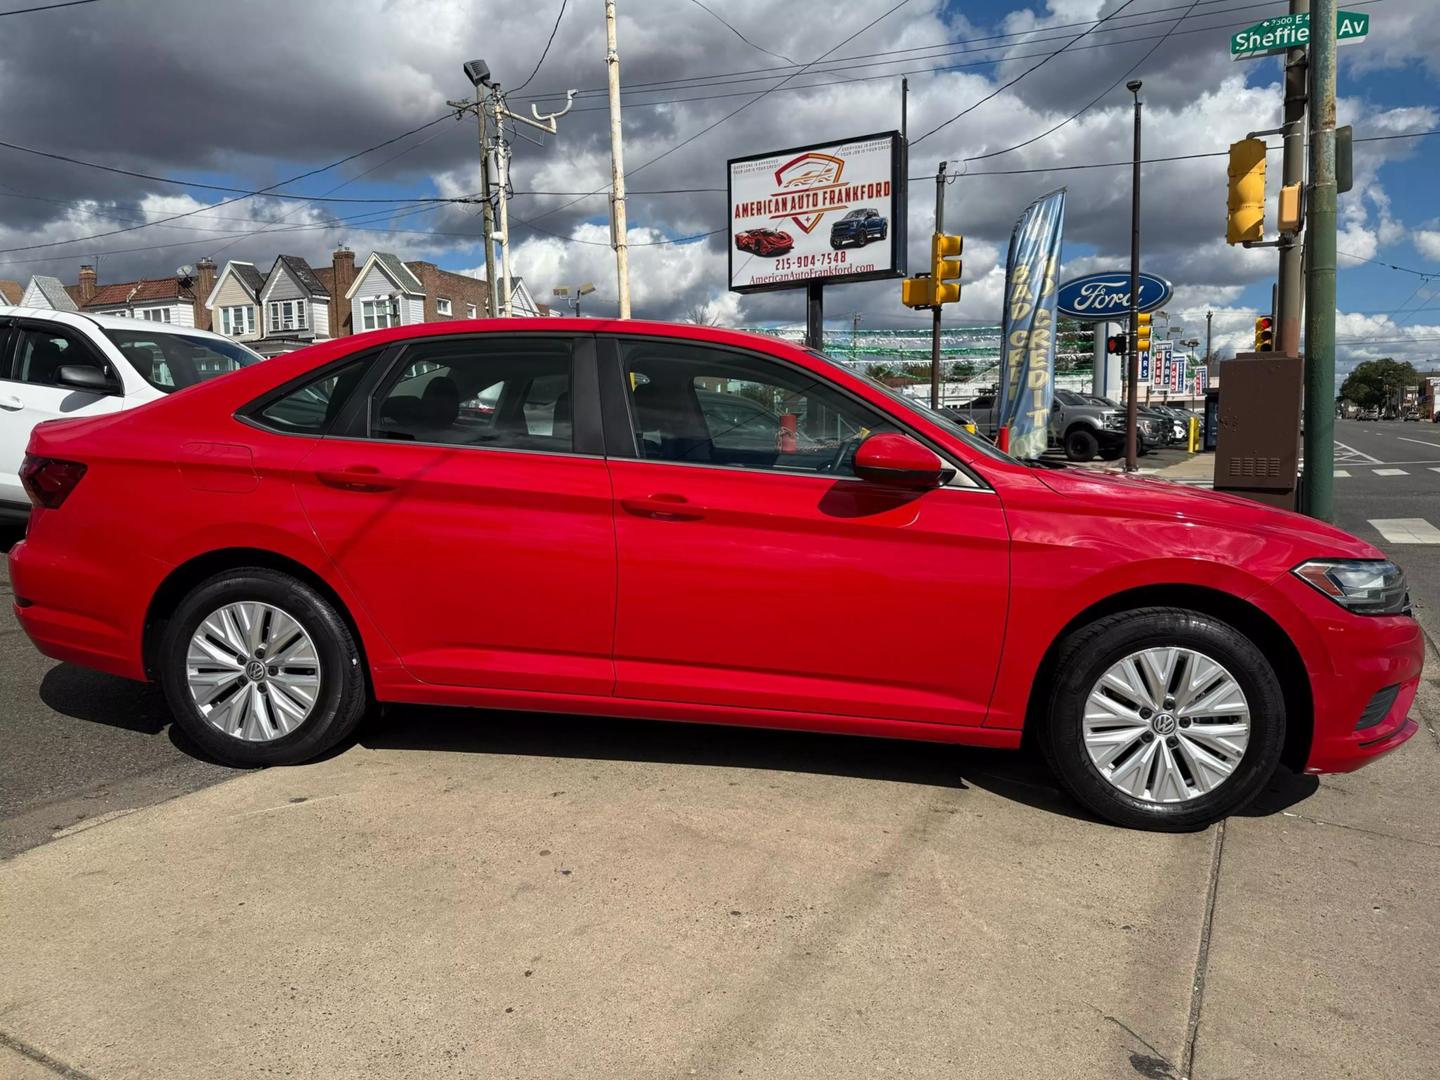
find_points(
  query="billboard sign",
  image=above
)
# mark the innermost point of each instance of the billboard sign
(1097, 297)
(828, 212)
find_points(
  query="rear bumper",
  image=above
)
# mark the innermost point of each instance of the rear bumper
(62, 607)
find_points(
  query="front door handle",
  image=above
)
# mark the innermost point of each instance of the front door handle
(664, 508)
(11, 402)
(357, 478)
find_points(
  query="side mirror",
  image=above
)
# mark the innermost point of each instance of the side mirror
(899, 461)
(85, 377)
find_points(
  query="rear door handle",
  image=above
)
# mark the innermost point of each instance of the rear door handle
(664, 508)
(357, 478)
(11, 402)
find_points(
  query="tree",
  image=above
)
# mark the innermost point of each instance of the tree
(700, 315)
(1373, 382)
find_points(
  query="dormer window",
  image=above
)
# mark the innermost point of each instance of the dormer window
(288, 315)
(380, 312)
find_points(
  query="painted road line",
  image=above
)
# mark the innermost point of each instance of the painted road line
(1422, 442)
(1389, 472)
(1406, 530)
(1341, 472)
(1356, 453)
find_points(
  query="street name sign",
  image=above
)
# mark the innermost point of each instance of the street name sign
(1293, 32)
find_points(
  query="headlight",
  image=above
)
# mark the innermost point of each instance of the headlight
(1364, 586)
(1114, 422)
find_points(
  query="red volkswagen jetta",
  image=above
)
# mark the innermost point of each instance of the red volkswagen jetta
(677, 522)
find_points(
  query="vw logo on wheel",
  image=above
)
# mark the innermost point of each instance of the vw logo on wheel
(1164, 724)
(255, 671)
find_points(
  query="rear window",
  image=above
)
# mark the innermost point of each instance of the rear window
(170, 362)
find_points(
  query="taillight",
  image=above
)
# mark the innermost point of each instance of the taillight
(49, 481)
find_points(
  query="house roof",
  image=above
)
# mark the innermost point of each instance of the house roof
(249, 276)
(401, 274)
(146, 290)
(55, 294)
(326, 276)
(11, 291)
(304, 274)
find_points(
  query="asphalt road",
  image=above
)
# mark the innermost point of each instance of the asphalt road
(1388, 472)
(80, 746)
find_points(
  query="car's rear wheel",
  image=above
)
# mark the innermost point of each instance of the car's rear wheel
(1080, 444)
(260, 669)
(1163, 718)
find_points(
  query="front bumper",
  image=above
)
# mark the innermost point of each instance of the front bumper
(1350, 659)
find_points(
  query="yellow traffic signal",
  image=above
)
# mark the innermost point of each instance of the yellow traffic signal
(1246, 220)
(1142, 332)
(1264, 334)
(915, 293)
(945, 270)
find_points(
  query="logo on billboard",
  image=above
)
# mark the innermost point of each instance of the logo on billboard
(806, 172)
(1095, 297)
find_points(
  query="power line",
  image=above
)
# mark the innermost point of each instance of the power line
(546, 51)
(1086, 108)
(760, 48)
(223, 202)
(1005, 86)
(46, 7)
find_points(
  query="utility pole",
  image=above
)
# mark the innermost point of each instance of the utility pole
(1317, 490)
(1289, 287)
(478, 72)
(617, 167)
(935, 325)
(1132, 380)
(502, 163)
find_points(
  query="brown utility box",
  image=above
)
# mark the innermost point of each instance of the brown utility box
(1257, 446)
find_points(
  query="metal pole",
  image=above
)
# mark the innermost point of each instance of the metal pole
(935, 326)
(815, 315)
(904, 110)
(1317, 491)
(1132, 400)
(1209, 315)
(487, 209)
(1289, 286)
(617, 167)
(502, 161)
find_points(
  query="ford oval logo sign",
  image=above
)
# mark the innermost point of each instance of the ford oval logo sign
(1107, 296)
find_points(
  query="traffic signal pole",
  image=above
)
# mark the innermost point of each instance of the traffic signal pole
(935, 325)
(1132, 376)
(1317, 490)
(1290, 280)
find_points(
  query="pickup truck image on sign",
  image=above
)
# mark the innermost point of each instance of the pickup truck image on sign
(859, 227)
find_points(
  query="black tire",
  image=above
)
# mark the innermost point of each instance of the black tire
(343, 695)
(1090, 651)
(1080, 444)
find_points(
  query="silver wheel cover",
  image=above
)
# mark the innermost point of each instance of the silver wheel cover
(1166, 725)
(253, 671)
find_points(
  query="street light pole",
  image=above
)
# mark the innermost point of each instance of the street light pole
(1132, 402)
(1318, 489)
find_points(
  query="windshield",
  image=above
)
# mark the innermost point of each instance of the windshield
(984, 446)
(170, 362)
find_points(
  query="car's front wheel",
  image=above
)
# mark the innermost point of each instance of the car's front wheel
(260, 669)
(1080, 444)
(1163, 718)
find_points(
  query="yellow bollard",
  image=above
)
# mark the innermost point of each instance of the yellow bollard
(1194, 444)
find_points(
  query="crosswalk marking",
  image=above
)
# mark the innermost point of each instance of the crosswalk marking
(1351, 452)
(1341, 472)
(1389, 472)
(1406, 530)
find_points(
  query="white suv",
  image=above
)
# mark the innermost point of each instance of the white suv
(60, 364)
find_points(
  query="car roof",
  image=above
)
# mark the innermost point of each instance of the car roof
(110, 322)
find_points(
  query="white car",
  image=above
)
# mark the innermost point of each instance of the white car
(59, 364)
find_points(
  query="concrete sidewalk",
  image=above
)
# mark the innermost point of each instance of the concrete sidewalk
(485, 895)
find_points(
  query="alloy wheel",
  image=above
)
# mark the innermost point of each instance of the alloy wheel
(1166, 725)
(253, 671)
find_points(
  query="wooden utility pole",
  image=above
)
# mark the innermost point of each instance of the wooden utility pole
(617, 167)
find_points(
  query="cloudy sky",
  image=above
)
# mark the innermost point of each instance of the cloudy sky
(249, 95)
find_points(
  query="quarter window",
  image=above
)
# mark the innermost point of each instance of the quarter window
(494, 393)
(712, 407)
(311, 408)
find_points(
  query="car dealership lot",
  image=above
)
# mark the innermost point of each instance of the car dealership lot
(500, 894)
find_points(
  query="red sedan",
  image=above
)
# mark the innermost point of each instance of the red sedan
(282, 546)
(766, 242)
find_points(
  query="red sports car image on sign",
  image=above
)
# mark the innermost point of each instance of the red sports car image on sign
(767, 242)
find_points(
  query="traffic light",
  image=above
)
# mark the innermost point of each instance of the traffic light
(945, 269)
(1246, 220)
(1289, 210)
(915, 292)
(1115, 345)
(1142, 332)
(1264, 334)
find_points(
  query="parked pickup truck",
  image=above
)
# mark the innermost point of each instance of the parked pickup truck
(1080, 426)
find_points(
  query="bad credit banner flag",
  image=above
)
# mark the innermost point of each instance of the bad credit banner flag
(1027, 385)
